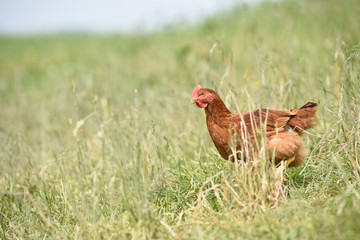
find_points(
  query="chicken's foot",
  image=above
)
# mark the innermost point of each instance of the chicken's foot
(282, 167)
(279, 174)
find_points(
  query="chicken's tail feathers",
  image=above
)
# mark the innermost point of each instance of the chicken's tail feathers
(310, 106)
(304, 118)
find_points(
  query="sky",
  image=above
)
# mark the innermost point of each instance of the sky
(28, 17)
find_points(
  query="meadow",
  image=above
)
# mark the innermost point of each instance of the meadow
(98, 139)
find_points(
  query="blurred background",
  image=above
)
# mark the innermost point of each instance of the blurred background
(98, 139)
(22, 17)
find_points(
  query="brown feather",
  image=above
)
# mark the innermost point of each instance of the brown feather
(281, 128)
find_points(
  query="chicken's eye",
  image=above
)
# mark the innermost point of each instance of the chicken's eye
(202, 94)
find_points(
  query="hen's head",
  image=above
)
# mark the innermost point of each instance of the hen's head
(202, 96)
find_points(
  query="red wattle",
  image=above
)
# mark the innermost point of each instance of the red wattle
(201, 104)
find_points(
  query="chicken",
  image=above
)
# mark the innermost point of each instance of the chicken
(235, 135)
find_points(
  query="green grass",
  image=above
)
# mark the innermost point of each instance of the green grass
(98, 139)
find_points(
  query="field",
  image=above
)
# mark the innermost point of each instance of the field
(98, 139)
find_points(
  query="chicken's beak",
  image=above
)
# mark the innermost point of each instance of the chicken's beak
(193, 101)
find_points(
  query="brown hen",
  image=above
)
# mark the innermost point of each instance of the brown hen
(234, 135)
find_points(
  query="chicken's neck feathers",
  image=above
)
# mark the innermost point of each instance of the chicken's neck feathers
(218, 112)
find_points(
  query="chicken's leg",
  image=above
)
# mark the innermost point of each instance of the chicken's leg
(282, 166)
(279, 174)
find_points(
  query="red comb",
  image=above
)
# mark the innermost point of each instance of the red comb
(196, 90)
